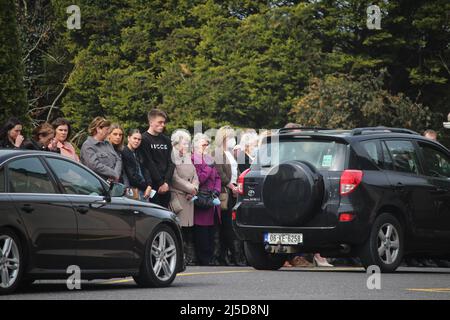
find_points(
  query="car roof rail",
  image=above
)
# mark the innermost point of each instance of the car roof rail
(315, 129)
(381, 129)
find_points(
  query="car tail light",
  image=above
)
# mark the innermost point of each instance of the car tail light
(240, 181)
(233, 215)
(346, 217)
(350, 179)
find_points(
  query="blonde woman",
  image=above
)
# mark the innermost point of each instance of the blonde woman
(227, 167)
(98, 154)
(116, 137)
(183, 187)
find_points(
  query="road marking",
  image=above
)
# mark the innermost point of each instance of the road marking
(184, 274)
(214, 272)
(327, 269)
(439, 290)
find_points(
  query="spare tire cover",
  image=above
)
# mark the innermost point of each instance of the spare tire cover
(291, 191)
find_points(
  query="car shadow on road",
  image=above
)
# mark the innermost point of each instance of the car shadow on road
(98, 286)
(402, 270)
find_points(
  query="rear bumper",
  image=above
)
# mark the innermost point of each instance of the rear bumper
(314, 238)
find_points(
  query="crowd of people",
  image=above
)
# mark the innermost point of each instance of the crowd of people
(194, 177)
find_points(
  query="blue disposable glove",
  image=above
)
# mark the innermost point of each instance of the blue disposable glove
(216, 202)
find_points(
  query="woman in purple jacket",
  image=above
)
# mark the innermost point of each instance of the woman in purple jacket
(205, 220)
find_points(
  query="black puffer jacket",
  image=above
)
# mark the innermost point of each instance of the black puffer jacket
(131, 162)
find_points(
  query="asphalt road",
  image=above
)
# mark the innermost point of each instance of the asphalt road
(245, 283)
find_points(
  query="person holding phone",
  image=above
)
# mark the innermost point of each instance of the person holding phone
(156, 149)
(183, 188)
(137, 176)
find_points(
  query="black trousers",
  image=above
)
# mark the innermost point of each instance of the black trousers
(227, 234)
(204, 243)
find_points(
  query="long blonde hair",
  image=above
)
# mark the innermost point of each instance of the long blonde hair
(222, 134)
(113, 127)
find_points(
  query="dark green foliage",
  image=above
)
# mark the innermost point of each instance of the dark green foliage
(341, 101)
(246, 63)
(12, 91)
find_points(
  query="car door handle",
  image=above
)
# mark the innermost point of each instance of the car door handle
(400, 187)
(27, 208)
(82, 209)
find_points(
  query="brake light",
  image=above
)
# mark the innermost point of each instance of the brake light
(233, 215)
(346, 217)
(350, 179)
(240, 181)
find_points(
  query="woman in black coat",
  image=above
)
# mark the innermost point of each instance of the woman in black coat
(11, 134)
(41, 139)
(138, 177)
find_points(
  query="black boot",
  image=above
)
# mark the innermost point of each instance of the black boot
(190, 252)
(217, 259)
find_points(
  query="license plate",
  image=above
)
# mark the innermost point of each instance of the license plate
(283, 238)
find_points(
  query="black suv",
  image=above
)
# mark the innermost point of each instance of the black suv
(376, 193)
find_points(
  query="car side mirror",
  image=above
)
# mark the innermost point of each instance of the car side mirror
(115, 190)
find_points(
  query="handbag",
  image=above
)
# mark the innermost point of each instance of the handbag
(223, 197)
(204, 199)
(175, 204)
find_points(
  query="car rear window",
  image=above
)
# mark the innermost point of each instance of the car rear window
(28, 175)
(324, 155)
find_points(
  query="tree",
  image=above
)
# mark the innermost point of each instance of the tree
(342, 101)
(46, 62)
(412, 45)
(13, 100)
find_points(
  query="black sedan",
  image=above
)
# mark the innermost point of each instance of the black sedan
(56, 213)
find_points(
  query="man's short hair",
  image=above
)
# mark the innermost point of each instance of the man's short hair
(429, 131)
(292, 125)
(156, 113)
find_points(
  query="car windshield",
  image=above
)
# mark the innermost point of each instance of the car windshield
(324, 155)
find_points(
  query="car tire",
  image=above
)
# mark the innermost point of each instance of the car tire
(259, 259)
(385, 245)
(11, 264)
(161, 259)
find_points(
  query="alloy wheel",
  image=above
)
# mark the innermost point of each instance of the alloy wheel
(388, 243)
(9, 261)
(163, 256)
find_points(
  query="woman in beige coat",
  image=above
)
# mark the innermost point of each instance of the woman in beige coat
(183, 188)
